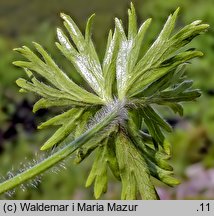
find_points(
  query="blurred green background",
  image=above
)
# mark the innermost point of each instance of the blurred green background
(23, 21)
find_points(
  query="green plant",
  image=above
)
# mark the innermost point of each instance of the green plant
(120, 102)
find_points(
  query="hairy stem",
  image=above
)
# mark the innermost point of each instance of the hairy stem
(58, 156)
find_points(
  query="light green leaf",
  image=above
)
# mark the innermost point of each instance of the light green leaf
(88, 31)
(47, 103)
(51, 72)
(98, 173)
(133, 167)
(132, 29)
(61, 118)
(128, 52)
(157, 49)
(154, 73)
(74, 32)
(109, 62)
(68, 121)
(85, 60)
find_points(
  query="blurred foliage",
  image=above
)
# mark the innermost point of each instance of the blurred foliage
(23, 21)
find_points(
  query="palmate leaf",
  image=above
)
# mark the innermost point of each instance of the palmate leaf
(109, 62)
(105, 157)
(128, 50)
(85, 59)
(51, 72)
(134, 171)
(68, 120)
(146, 69)
(112, 116)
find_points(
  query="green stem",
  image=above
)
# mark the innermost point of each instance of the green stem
(58, 156)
